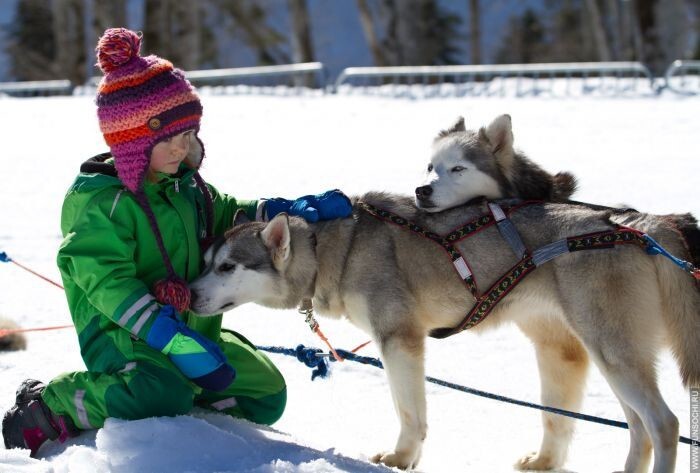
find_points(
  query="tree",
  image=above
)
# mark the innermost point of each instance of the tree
(302, 46)
(249, 22)
(367, 21)
(475, 31)
(651, 53)
(68, 30)
(525, 41)
(31, 47)
(107, 14)
(173, 29)
(415, 32)
(598, 30)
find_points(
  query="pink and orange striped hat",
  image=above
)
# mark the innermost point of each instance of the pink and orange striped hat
(140, 101)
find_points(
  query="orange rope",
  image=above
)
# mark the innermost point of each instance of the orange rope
(37, 274)
(9, 331)
(320, 334)
(358, 348)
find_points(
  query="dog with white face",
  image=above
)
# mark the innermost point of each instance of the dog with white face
(467, 164)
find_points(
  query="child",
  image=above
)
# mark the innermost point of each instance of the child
(133, 223)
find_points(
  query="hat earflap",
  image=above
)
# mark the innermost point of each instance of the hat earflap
(172, 290)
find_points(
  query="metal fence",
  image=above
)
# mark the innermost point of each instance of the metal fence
(291, 78)
(683, 77)
(607, 78)
(36, 88)
(498, 79)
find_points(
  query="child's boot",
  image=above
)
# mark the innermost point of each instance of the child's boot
(30, 423)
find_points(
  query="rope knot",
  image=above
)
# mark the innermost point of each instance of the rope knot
(309, 357)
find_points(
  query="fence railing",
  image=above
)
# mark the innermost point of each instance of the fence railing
(36, 88)
(612, 78)
(490, 79)
(677, 80)
(305, 74)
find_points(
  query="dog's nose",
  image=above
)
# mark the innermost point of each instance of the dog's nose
(193, 296)
(424, 191)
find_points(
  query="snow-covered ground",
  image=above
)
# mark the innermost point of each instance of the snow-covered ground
(639, 151)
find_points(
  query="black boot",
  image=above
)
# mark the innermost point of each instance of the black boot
(30, 423)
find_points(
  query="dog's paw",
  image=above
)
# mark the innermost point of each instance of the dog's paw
(402, 460)
(535, 461)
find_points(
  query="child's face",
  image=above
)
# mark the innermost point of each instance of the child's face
(169, 153)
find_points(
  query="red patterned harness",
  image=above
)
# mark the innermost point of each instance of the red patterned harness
(529, 260)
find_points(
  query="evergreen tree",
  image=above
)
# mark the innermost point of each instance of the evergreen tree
(525, 41)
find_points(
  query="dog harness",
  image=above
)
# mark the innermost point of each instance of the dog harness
(528, 260)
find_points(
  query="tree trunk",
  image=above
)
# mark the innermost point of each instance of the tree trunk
(370, 34)
(649, 32)
(70, 40)
(250, 22)
(156, 37)
(302, 46)
(475, 31)
(107, 14)
(187, 46)
(598, 30)
(614, 29)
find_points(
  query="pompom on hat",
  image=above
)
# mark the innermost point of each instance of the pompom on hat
(142, 101)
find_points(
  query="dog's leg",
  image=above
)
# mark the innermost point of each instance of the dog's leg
(639, 455)
(563, 365)
(403, 361)
(637, 388)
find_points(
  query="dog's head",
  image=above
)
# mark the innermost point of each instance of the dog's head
(466, 164)
(265, 263)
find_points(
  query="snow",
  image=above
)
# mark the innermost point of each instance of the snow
(638, 150)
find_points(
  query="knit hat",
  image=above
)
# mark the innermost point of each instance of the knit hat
(142, 101)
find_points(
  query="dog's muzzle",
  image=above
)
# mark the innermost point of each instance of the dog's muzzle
(423, 194)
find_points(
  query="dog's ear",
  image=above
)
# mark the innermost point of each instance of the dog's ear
(240, 217)
(277, 239)
(457, 126)
(498, 137)
(498, 134)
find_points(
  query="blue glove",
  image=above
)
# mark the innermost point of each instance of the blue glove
(326, 206)
(197, 357)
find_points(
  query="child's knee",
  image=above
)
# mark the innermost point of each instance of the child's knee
(149, 394)
(266, 410)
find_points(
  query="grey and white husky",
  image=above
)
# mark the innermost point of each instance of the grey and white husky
(466, 164)
(617, 307)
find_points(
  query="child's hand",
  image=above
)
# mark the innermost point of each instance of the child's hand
(197, 357)
(327, 206)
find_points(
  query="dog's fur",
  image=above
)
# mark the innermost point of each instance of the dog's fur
(466, 164)
(617, 307)
(12, 341)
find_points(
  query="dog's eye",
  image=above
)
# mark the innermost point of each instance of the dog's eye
(226, 267)
(458, 169)
(430, 167)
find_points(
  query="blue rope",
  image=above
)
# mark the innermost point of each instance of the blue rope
(320, 363)
(654, 248)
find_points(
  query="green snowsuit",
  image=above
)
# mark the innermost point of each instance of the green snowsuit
(109, 260)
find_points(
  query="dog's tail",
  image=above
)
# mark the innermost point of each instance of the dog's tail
(563, 186)
(681, 293)
(11, 341)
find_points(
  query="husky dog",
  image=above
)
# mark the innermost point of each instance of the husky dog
(615, 306)
(466, 164)
(12, 341)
